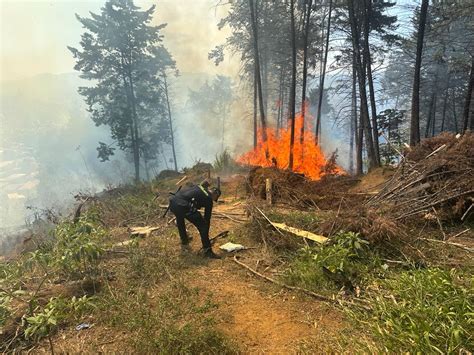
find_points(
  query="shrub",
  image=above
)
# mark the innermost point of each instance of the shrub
(344, 262)
(75, 251)
(224, 162)
(45, 320)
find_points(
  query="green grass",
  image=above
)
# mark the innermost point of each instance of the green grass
(422, 311)
(428, 310)
(175, 319)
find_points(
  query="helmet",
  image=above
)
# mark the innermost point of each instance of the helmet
(216, 192)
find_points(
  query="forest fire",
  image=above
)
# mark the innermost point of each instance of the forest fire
(308, 159)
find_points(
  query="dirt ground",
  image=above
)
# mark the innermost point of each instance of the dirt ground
(258, 316)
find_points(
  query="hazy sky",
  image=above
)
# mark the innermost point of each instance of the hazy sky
(35, 33)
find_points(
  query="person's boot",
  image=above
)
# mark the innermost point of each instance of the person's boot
(208, 253)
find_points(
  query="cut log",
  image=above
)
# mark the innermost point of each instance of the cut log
(300, 233)
(183, 179)
(142, 231)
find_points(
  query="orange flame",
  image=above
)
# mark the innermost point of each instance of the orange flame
(307, 157)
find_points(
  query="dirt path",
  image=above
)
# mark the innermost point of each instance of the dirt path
(258, 315)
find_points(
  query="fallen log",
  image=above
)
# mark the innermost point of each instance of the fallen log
(142, 231)
(300, 233)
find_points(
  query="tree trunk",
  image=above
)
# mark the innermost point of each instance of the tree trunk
(171, 123)
(133, 131)
(415, 99)
(293, 84)
(352, 129)
(136, 151)
(257, 69)
(255, 125)
(468, 119)
(445, 105)
(305, 72)
(364, 110)
(430, 113)
(455, 118)
(358, 132)
(280, 103)
(368, 62)
(321, 86)
(433, 121)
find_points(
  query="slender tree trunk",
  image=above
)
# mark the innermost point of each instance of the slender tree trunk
(430, 113)
(136, 151)
(171, 123)
(255, 102)
(265, 80)
(358, 132)
(280, 102)
(293, 84)
(455, 118)
(285, 113)
(445, 105)
(257, 69)
(305, 71)
(353, 128)
(133, 123)
(368, 61)
(321, 86)
(468, 119)
(415, 99)
(364, 110)
(433, 121)
(147, 171)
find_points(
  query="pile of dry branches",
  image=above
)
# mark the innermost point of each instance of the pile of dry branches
(435, 177)
(298, 191)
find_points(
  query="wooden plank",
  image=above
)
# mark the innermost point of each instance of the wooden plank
(300, 233)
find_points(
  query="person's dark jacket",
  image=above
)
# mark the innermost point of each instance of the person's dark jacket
(195, 197)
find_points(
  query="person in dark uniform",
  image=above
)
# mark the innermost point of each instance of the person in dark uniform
(185, 205)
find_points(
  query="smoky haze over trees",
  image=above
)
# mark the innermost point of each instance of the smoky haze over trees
(382, 61)
(123, 55)
(354, 70)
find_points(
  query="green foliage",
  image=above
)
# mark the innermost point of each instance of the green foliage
(46, 320)
(345, 261)
(122, 55)
(5, 312)
(224, 162)
(75, 251)
(10, 287)
(423, 311)
(390, 122)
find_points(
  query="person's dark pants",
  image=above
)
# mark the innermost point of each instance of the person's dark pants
(195, 218)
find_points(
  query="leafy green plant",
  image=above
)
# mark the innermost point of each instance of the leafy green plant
(5, 300)
(344, 261)
(423, 311)
(75, 251)
(46, 320)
